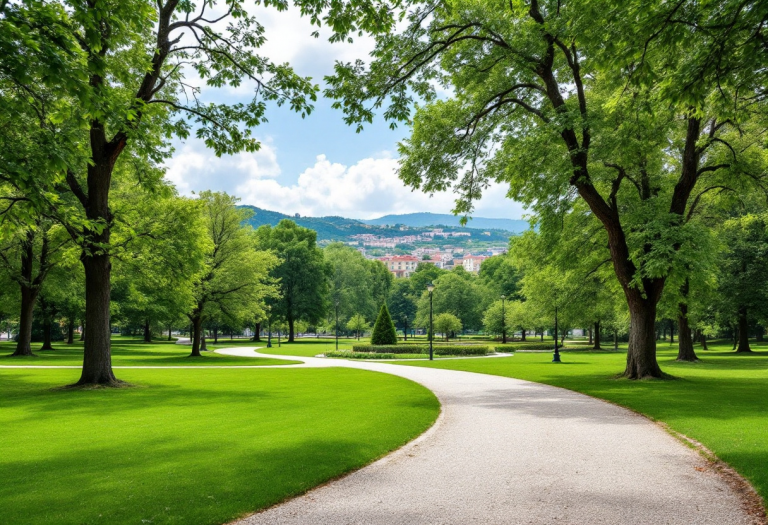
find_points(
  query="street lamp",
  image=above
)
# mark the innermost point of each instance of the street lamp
(503, 321)
(430, 289)
(336, 303)
(556, 357)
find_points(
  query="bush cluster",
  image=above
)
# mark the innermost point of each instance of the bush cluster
(527, 346)
(424, 349)
(359, 355)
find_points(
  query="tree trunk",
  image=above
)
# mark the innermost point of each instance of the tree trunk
(70, 331)
(589, 333)
(197, 323)
(671, 331)
(97, 354)
(290, 329)
(597, 336)
(47, 327)
(147, 332)
(170, 328)
(759, 334)
(542, 336)
(215, 335)
(203, 341)
(641, 354)
(703, 339)
(615, 340)
(24, 344)
(743, 331)
(82, 329)
(522, 335)
(257, 333)
(684, 340)
(28, 296)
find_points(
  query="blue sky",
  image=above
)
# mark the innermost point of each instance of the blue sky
(316, 165)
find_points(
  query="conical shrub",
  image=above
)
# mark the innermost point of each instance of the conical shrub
(384, 329)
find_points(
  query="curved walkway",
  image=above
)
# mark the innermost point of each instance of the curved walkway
(512, 451)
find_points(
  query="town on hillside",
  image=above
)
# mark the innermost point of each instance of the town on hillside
(447, 256)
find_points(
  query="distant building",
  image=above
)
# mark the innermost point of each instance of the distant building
(471, 263)
(401, 265)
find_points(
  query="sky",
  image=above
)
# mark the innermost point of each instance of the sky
(318, 165)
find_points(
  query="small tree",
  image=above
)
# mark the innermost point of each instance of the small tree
(358, 324)
(447, 323)
(384, 330)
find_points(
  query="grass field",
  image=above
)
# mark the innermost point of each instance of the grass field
(721, 401)
(132, 352)
(191, 446)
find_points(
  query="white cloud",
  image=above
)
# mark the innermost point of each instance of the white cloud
(195, 167)
(370, 188)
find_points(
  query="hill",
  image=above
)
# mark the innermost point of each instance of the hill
(342, 229)
(418, 220)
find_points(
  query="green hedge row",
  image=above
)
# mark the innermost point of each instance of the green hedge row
(424, 349)
(359, 355)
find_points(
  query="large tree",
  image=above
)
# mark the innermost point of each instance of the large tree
(302, 275)
(562, 100)
(235, 275)
(127, 75)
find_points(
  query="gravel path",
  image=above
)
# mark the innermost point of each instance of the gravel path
(512, 451)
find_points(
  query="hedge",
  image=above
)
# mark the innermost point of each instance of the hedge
(528, 346)
(424, 349)
(359, 355)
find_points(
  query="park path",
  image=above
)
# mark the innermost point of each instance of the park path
(516, 452)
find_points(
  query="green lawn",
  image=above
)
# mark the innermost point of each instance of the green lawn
(191, 446)
(132, 352)
(721, 401)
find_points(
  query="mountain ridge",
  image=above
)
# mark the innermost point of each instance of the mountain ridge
(337, 228)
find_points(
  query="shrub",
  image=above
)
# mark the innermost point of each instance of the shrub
(527, 346)
(424, 349)
(384, 329)
(359, 355)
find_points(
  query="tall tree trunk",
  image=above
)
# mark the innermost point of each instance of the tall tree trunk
(615, 340)
(703, 340)
(589, 333)
(685, 341)
(97, 354)
(671, 331)
(147, 331)
(47, 327)
(197, 324)
(24, 344)
(759, 334)
(685, 350)
(215, 335)
(290, 329)
(170, 328)
(82, 330)
(597, 336)
(203, 341)
(522, 335)
(641, 354)
(257, 332)
(28, 296)
(542, 336)
(70, 331)
(743, 331)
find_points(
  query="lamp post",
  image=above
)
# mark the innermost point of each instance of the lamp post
(336, 303)
(503, 321)
(556, 357)
(430, 288)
